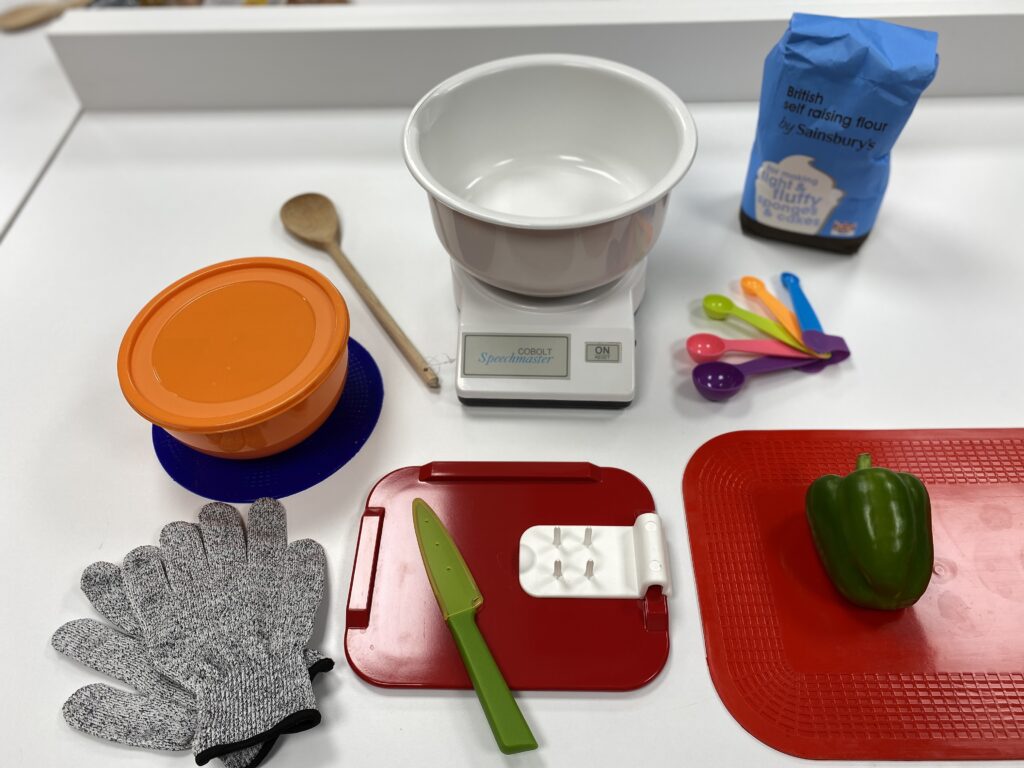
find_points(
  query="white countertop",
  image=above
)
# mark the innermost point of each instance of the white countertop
(37, 106)
(134, 201)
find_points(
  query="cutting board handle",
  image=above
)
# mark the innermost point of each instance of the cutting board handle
(364, 571)
(453, 472)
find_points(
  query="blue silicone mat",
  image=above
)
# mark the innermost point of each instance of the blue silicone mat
(314, 459)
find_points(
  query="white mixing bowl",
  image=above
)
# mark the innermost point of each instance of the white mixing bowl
(549, 174)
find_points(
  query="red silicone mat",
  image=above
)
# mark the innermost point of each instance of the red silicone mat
(811, 675)
(395, 635)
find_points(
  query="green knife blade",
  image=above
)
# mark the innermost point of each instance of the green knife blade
(453, 584)
(459, 598)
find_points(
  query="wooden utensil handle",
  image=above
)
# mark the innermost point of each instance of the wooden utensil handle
(32, 14)
(404, 344)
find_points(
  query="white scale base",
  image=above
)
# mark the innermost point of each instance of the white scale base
(570, 351)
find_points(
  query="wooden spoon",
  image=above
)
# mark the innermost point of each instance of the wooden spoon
(25, 16)
(312, 219)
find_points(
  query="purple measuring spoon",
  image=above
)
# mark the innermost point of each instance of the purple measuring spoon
(720, 380)
(815, 339)
(821, 343)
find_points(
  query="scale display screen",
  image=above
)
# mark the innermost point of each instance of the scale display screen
(515, 356)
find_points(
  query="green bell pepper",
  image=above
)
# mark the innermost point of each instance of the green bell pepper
(873, 533)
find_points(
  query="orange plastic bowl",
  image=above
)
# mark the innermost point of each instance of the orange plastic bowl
(241, 359)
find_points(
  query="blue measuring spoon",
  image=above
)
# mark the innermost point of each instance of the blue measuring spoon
(801, 306)
(814, 335)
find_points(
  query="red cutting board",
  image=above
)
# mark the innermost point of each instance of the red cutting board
(395, 635)
(811, 675)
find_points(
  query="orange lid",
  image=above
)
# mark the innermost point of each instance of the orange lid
(232, 345)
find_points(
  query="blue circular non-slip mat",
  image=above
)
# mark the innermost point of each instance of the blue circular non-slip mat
(314, 459)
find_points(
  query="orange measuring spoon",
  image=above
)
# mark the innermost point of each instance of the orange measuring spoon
(755, 288)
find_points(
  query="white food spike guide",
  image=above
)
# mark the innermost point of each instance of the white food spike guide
(594, 561)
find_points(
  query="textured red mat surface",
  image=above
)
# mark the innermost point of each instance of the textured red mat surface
(811, 675)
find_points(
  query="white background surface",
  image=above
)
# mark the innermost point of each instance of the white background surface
(300, 57)
(37, 107)
(929, 308)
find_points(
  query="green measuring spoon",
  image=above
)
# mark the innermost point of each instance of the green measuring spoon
(719, 307)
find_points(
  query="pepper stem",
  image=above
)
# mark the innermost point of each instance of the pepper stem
(864, 461)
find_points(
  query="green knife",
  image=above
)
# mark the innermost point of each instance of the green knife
(459, 599)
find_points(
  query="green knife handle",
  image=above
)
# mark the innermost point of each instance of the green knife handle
(508, 724)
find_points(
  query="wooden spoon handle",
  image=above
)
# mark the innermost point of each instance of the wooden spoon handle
(405, 346)
(25, 16)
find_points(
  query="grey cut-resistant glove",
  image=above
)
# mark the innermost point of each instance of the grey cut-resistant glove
(162, 715)
(226, 616)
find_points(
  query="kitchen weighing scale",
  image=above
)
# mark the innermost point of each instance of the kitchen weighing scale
(567, 351)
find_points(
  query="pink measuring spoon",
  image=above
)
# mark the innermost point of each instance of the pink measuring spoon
(706, 347)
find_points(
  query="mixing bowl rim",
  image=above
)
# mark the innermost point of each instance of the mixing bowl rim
(676, 107)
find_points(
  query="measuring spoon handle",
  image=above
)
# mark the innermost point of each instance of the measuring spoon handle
(768, 327)
(804, 311)
(763, 347)
(782, 313)
(770, 364)
(755, 288)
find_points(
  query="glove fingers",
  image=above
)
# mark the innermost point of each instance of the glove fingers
(119, 656)
(223, 536)
(303, 586)
(103, 584)
(184, 556)
(146, 582)
(268, 530)
(128, 718)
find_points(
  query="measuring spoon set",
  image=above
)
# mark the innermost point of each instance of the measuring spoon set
(796, 341)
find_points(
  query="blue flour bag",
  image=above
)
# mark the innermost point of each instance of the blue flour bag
(835, 96)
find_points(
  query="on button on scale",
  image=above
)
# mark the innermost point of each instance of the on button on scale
(604, 352)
